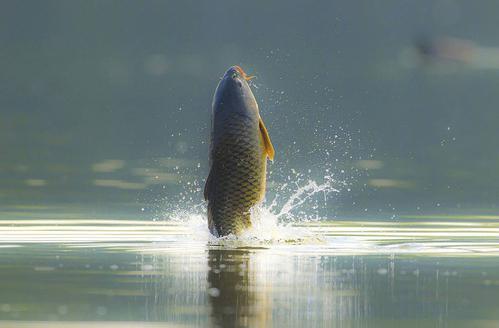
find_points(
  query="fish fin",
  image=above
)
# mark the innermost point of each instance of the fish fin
(207, 186)
(269, 149)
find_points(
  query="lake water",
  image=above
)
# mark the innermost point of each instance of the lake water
(384, 117)
(416, 271)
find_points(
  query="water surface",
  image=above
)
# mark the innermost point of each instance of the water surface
(421, 271)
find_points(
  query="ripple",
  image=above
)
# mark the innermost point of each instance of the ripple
(339, 237)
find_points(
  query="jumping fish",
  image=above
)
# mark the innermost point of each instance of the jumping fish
(240, 146)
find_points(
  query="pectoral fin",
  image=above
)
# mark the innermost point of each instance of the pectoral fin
(207, 186)
(269, 149)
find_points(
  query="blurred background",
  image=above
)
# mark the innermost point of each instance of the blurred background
(106, 104)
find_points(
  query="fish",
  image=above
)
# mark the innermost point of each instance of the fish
(239, 148)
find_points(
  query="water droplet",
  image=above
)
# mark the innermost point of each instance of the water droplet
(214, 292)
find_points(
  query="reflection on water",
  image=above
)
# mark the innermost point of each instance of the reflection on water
(232, 290)
(260, 288)
(417, 272)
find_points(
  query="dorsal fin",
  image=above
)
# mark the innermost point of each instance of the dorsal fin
(269, 149)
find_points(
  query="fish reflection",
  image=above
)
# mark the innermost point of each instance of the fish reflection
(233, 294)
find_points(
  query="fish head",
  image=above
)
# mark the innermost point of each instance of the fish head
(234, 93)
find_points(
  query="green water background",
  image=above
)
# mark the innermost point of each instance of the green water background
(109, 102)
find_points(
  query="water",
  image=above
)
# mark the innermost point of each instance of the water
(432, 271)
(382, 201)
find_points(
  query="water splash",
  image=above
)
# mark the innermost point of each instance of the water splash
(300, 196)
(278, 221)
(279, 224)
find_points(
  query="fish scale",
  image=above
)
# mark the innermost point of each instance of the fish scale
(238, 165)
(238, 155)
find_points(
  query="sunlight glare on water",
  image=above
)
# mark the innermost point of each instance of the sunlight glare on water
(171, 270)
(346, 272)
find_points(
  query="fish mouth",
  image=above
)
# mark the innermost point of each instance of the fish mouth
(243, 73)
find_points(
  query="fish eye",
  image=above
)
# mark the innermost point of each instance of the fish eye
(234, 75)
